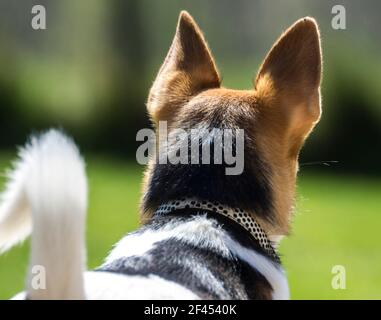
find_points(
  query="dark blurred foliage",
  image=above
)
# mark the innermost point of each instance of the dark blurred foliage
(91, 70)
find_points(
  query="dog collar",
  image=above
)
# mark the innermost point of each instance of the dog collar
(243, 218)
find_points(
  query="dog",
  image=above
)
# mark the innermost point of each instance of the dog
(204, 234)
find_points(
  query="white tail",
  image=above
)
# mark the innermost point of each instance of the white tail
(48, 189)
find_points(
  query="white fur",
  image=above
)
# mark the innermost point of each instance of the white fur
(15, 214)
(276, 239)
(113, 286)
(274, 274)
(48, 186)
(106, 285)
(199, 231)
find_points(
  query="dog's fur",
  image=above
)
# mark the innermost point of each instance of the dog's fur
(187, 254)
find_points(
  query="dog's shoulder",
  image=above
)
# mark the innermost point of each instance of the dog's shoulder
(199, 254)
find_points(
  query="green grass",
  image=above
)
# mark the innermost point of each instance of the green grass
(337, 223)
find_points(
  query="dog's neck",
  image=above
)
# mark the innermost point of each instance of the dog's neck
(234, 215)
(251, 190)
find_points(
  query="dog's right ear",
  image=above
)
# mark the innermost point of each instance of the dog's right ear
(187, 70)
(288, 83)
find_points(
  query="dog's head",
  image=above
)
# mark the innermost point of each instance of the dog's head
(277, 114)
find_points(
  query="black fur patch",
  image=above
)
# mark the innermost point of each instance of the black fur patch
(249, 191)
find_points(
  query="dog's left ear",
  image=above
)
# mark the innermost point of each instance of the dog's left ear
(288, 83)
(187, 70)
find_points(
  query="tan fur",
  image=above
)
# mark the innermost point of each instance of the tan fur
(187, 70)
(279, 113)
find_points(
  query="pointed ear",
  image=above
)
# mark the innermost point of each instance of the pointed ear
(289, 78)
(187, 70)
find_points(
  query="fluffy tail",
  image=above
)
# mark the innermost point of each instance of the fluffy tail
(48, 189)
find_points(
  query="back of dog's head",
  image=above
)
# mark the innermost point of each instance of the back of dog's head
(277, 115)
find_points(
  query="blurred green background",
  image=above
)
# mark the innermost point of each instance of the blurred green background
(89, 72)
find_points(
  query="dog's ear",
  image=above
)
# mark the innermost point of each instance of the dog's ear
(187, 70)
(288, 83)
